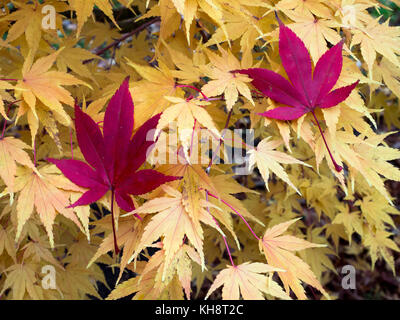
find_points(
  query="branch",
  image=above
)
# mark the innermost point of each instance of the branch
(99, 51)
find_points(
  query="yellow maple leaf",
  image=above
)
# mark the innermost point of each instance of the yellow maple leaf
(388, 72)
(379, 244)
(223, 80)
(28, 21)
(249, 281)
(376, 211)
(11, 151)
(278, 249)
(41, 193)
(305, 7)
(84, 9)
(172, 222)
(350, 220)
(314, 32)
(365, 156)
(149, 283)
(185, 112)
(7, 243)
(246, 27)
(148, 94)
(21, 279)
(268, 159)
(40, 83)
(73, 57)
(4, 96)
(378, 38)
(128, 235)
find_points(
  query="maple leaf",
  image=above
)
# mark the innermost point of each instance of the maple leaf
(173, 222)
(84, 9)
(223, 79)
(379, 243)
(246, 27)
(11, 151)
(247, 279)
(306, 91)
(186, 112)
(149, 284)
(21, 279)
(314, 32)
(4, 96)
(187, 8)
(150, 91)
(128, 235)
(188, 66)
(350, 220)
(38, 250)
(268, 159)
(390, 74)
(38, 190)
(378, 38)
(72, 57)
(365, 156)
(304, 7)
(377, 213)
(7, 243)
(28, 21)
(40, 83)
(113, 159)
(277, 250)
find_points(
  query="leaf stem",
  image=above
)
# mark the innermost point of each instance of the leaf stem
(207, 193)
(225, 241)
(113, 222)
(194, 88)
(5, 120)
(70, 141)
(234, 210)
(4, 129)
(34, 153)
(220, 142)
(191, 142)
(337, 167)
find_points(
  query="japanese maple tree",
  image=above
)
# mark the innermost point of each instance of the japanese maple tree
(199, 149)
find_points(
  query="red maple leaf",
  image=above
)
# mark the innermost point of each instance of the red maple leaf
(113, 158)
(306, 90)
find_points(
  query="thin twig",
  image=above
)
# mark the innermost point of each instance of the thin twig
(99, 51)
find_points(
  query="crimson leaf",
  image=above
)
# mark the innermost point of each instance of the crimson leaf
(113, 157)
(306, 90)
